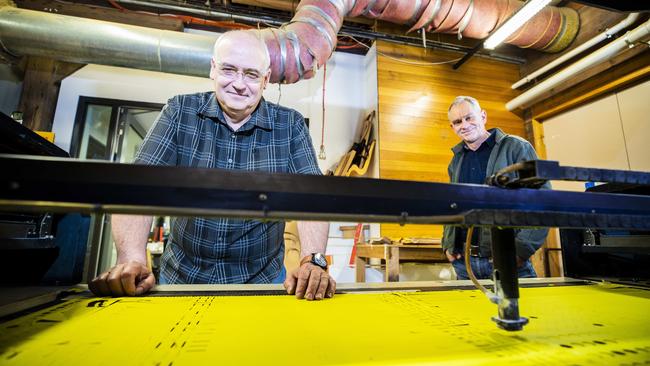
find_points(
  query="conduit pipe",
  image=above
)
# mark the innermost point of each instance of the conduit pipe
(578, 50)
(603, 54)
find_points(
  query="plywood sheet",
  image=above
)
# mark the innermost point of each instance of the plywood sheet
(588, 325)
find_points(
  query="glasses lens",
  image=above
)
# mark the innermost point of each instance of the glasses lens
(231, 72)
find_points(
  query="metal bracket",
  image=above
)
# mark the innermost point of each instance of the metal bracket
(534, 173)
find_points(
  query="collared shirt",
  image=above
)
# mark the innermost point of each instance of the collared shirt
(473, 169)
(191, 131)
(475, 162)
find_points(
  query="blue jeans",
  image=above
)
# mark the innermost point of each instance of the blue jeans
(482, 267)
(280, 279)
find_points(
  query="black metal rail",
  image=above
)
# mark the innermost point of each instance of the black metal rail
(534, 173)
(67, 185)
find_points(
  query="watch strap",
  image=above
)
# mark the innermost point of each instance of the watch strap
(309, 259)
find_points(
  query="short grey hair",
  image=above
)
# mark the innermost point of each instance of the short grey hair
(266, 62)
(464, 99)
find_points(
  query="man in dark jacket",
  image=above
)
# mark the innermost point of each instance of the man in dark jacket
(482, 153)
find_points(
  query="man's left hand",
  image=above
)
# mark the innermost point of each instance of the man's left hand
(310, 282)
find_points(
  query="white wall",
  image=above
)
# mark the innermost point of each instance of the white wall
(610, 133)
(345, 98)
(116, 83)
(634, 105)
(339, 247)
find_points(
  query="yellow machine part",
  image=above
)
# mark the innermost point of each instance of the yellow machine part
(586, 325)
(49, 136)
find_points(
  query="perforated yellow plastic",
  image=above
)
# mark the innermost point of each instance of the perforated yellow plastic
(587, 325)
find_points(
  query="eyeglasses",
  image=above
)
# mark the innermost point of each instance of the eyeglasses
(232, 72)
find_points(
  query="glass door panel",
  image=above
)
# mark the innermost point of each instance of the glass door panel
(96, 138)
(113, 130)
(134, 124)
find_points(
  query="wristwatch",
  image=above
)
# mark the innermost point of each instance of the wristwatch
(317, 259)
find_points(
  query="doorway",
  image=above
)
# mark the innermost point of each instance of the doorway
(110, 130)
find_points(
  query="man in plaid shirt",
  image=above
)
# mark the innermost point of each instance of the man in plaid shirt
(230, 128)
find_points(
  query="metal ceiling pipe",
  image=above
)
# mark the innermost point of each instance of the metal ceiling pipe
(81, 40)
(608, 33)
(601, 55)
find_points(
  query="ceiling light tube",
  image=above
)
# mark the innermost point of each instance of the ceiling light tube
(527, 11)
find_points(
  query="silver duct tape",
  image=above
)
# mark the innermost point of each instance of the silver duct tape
(318, 27)
(340, 7)
(464, 22)
(321, 13)
(351, 4)
(443, 19)
(293, 38)
(366, 11)
(283, 51)
(414, 17)
(436, 8)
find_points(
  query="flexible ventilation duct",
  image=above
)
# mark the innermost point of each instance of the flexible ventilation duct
(304, 44)
(297, 49)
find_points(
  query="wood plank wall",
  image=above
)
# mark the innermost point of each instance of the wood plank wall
(414, 133)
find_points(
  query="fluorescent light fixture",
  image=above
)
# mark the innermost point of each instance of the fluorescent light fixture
(527, 11)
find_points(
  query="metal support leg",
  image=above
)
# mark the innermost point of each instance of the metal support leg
(92, 249)
(505, 279)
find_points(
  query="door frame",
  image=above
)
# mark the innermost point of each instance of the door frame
(116, 105)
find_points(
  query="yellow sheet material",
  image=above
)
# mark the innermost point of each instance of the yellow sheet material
(587, 325)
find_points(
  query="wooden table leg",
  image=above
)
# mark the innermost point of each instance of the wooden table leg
(360, 269)
(392, 264)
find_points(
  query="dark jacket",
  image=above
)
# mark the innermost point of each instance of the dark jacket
(509, 149)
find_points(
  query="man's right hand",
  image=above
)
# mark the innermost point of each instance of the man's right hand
(126, 279)
(452, 256)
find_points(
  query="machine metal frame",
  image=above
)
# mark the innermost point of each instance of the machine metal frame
(64, 185)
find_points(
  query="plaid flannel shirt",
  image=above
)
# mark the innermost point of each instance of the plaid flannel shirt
(191, 131)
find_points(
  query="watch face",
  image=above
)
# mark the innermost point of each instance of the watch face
(319, 260)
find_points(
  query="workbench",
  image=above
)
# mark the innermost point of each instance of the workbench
(393, 254)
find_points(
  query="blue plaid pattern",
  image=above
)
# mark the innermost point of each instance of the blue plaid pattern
(192, 132)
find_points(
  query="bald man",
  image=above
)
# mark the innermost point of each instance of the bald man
(230, 128)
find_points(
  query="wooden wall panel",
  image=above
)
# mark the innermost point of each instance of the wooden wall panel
(414, 134)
